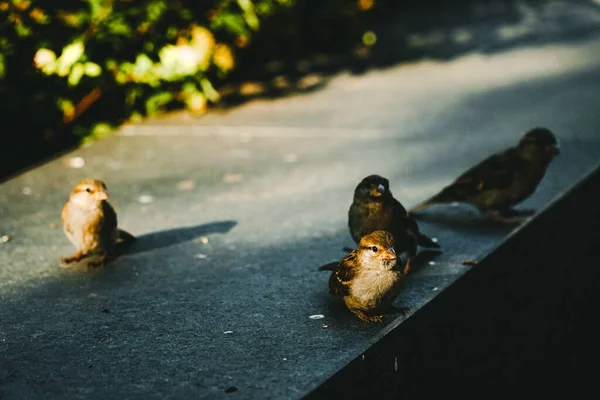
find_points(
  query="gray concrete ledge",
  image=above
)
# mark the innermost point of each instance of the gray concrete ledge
(522, 321)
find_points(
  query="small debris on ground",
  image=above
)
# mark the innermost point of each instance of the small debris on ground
(233, 178)
(431, 262)
(203, 240)
(325, 326)
(227, 332)
(316, 316)
(5, 238)
(186, 185)
(435, 289)
(200, 255)
(469, 262)
(27, 191)
(75, 162)
(231, 389)
(145, 199)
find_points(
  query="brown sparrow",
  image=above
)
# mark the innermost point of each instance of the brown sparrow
(367, 279)
(375, 208)
(504, 179)
(90, 223)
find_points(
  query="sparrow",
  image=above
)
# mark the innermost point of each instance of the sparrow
(375, 208)
(367, 278)
(90, 223)
(504, 179)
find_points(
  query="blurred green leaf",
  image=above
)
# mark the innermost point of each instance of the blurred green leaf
(70, 54)
(156, 102)
(76, 74)
(249, 13)
(92, 69)
(209, 90)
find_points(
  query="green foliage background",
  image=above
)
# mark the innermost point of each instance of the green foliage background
(133, 58)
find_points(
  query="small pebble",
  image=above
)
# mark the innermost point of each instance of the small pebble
(6, 238)
(233, 178)
(145, 199)
(316, 316)
(203, 240)
(227, 332)
(200, 255)
(186, 185)
(75, 162)
(27, 191)
(431, 262)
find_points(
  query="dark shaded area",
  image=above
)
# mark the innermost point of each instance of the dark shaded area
(171, 237)
(320, 42)
(519, 322)
(298, 50)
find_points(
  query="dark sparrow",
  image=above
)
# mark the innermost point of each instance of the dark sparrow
(504, 179)
(375, 208)
(90, 223)
(367, 279)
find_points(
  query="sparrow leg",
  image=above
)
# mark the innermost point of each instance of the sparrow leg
(407, 265)
(503, 219)
(74, 258)
(367, 318)
(102, 260)
(398, 310)
(510, 213)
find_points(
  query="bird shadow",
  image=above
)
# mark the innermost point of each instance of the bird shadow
(467, 221)
(171, 237)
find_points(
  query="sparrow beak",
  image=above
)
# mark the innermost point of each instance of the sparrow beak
(377, 191)
(390, 254)
(101, 196)
(555, 150)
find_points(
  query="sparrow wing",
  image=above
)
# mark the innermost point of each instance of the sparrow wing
(496, 172)
(342, 275)
(65, 220)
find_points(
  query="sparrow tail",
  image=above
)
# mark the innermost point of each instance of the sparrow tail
(328, 267)
(447, 195)
(125, 237)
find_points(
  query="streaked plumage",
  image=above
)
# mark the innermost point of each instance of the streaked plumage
(90, 222)
(375, 208)
(367, 278)
(504, 179)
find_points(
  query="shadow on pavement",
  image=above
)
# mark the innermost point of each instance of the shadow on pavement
(319, 43)
(166, 238)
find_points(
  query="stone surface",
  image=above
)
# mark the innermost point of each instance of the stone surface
(520, 322)
(271, 182)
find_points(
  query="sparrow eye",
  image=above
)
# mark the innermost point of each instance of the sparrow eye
(374, 249)
(88, 190)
